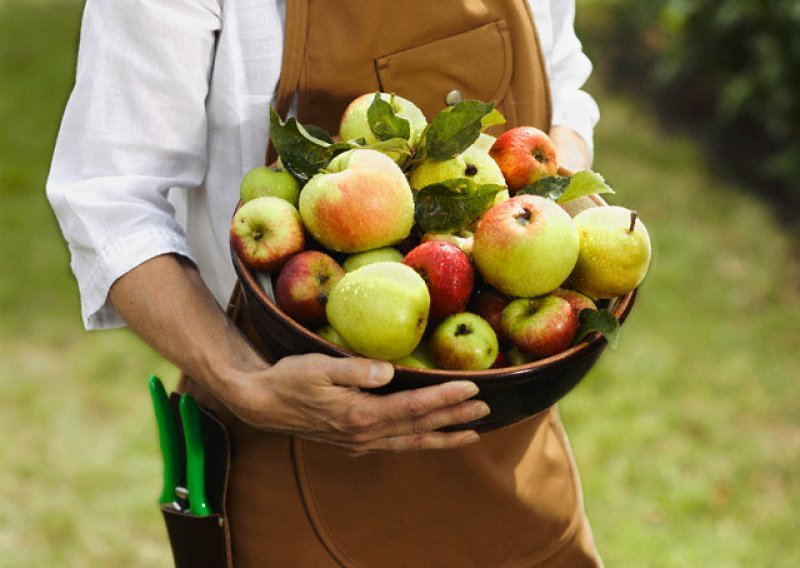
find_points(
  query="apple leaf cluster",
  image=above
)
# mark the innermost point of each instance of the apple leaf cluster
(452, 205)
(566, 188)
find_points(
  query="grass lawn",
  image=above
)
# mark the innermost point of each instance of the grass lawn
(687, 437)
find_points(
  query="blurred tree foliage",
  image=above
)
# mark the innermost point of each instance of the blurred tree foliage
(735, 62)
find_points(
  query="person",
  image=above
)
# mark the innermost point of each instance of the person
(169, 111)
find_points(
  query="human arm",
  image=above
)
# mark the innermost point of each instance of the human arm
(316, 397)
(137, 126)
(575, 112)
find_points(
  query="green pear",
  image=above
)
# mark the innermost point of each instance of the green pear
(380, 309)
(383, 254)
(327, 332)
(614, 252)
(272, 181)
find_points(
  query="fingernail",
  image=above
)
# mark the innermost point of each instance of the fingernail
(479, 410)
(380, 373)
(471, 436)
(468, 389)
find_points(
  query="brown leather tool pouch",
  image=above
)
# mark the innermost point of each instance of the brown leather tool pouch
(204, 542)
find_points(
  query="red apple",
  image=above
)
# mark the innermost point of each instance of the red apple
(489, 304)
(540, 326)
(303, 286)
(448, 274)
(577, 301)
(266, 232)
(525, 155)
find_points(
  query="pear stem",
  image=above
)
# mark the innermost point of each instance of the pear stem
(634, 215)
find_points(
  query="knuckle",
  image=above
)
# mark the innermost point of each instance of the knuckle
(415, 406)
(416, 443)
(359, 420)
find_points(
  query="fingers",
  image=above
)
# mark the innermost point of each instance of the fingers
(355, 372)
(419, 442)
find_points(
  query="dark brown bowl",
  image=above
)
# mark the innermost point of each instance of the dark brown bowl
(512, 393)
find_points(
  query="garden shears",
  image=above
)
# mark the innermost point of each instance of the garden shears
(183, 490)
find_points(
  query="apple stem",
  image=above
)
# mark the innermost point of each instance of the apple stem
(634, 215)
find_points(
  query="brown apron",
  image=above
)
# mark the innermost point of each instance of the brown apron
(513, 499)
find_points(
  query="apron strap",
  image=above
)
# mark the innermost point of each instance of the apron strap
(294, 44)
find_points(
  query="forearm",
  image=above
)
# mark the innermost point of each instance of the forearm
(572, 150)
(166, 302)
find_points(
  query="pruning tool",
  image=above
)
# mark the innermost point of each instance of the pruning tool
(183, 490)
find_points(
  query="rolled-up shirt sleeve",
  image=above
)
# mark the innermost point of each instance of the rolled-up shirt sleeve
(134, 127)
(569, 68)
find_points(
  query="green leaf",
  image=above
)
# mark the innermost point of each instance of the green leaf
(601, 321)
(318, 132)
(564, 188)
(494, 118)
(551, 187)
(582, 183)
(452, 205)
(455, 128)
(303, 154)
(383, 121)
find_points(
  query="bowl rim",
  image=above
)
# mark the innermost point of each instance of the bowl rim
(621, 307)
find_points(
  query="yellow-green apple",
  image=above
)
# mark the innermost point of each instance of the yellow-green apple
(525, 154)
(303, 286)
(327, 332)
(462, 239)
(614, 252)
(420, 358)
(489, 304)
(540, 326)
(355, 124)
(380, 310)
(272, 180)
(525, 246)
(577, 301)
(383, 254)
(464, 342)
(361, 201)
(473, 163)
(266, 232)
(447, 272)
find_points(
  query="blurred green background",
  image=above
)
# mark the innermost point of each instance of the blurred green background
(687, 437)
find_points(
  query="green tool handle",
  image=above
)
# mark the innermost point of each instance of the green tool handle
(195, 457)
(167, 440)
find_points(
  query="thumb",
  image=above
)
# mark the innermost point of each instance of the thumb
(358, 372)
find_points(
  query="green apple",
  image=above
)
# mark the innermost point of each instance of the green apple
(354, 123)
(525, 246)
(361, 201)
(383, 254)
(614, 252)
(380, 310)
(420, 358)
(274, 181)
(327, 332)
(464, 342)
(473, 163)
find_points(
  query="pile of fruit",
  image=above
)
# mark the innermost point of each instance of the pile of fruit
(434, 244)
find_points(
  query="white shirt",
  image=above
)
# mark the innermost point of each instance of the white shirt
(170, 110)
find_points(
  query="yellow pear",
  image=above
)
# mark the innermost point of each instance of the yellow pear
(614, 252)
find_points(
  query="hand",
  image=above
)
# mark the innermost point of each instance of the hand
(319, 398)
(572, 151)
